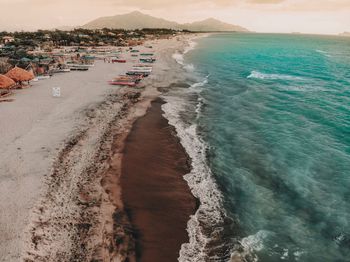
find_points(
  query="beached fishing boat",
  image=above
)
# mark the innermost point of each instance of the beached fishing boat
(143, 66)
(134, 51)
(61, 70)
(147, 54)
(142, 69)
(43, 77)
(118, 60)
(147, 60)
(78, 67)
(138, 73)
(124, 81)
(73, 63)
(134, 78)
(145, 70)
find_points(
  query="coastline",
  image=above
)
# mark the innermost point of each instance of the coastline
(76, 213)
(157, 199)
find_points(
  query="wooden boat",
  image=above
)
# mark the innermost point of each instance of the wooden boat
(123, 81)
(147, 60)
(43, 77)
(147, 54)
(142, 69)
(134, 78)
(61, 70)
(139, 69)
(118, 60)
(78, 67)
(138, 73)
(143, 66)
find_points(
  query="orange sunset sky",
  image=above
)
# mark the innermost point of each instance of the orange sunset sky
(306, 16)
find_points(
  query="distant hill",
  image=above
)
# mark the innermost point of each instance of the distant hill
(131, 21)
(211, 25)
(138, 20)
(345, 34)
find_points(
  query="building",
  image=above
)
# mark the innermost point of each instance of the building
(8, 39)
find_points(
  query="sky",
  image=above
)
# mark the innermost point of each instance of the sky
(276, 16)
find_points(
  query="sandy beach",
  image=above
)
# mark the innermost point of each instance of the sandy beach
(60, 163)
(158, 202)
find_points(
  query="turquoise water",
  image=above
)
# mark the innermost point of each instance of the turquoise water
(275, 117)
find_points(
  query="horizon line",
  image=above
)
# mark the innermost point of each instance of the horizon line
(193, 21)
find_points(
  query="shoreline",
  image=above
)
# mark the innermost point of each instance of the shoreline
(77, 213)
(157, 199)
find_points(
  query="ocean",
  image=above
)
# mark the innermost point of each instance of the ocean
(265, 119)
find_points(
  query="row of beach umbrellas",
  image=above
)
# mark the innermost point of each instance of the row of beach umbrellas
(15, 75)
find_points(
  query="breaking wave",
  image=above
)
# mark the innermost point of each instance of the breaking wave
(259, 75)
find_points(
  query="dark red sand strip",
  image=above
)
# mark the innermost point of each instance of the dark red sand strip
(157, 199)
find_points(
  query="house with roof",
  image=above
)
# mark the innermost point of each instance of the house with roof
(8, 39)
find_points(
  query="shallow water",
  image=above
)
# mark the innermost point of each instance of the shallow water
(272, 116)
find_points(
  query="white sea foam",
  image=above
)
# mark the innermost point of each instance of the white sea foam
(250, 245)
(323, 53)
(197, 86)
(259, 75)
(200, 181)
(191, 45)
(200, 178)
(189, 67)
(298, 254)
(255, 242)
(179, 58)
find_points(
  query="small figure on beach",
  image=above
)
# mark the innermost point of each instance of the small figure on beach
(56, 92)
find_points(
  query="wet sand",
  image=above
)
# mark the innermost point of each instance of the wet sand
(156, 197)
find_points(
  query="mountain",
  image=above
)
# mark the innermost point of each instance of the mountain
(212, 24)
(138, 20)
(345, 34)
(131, 21)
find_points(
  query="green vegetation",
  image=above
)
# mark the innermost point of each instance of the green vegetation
(23, 42)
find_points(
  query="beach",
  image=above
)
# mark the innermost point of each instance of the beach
(60, 163)
(158, 202)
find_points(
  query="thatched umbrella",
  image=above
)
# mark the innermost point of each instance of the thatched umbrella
(5, 84)
(19, 75)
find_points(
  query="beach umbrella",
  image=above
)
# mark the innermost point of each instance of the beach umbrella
(19, 75)
(25, 59)
(6, 82)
